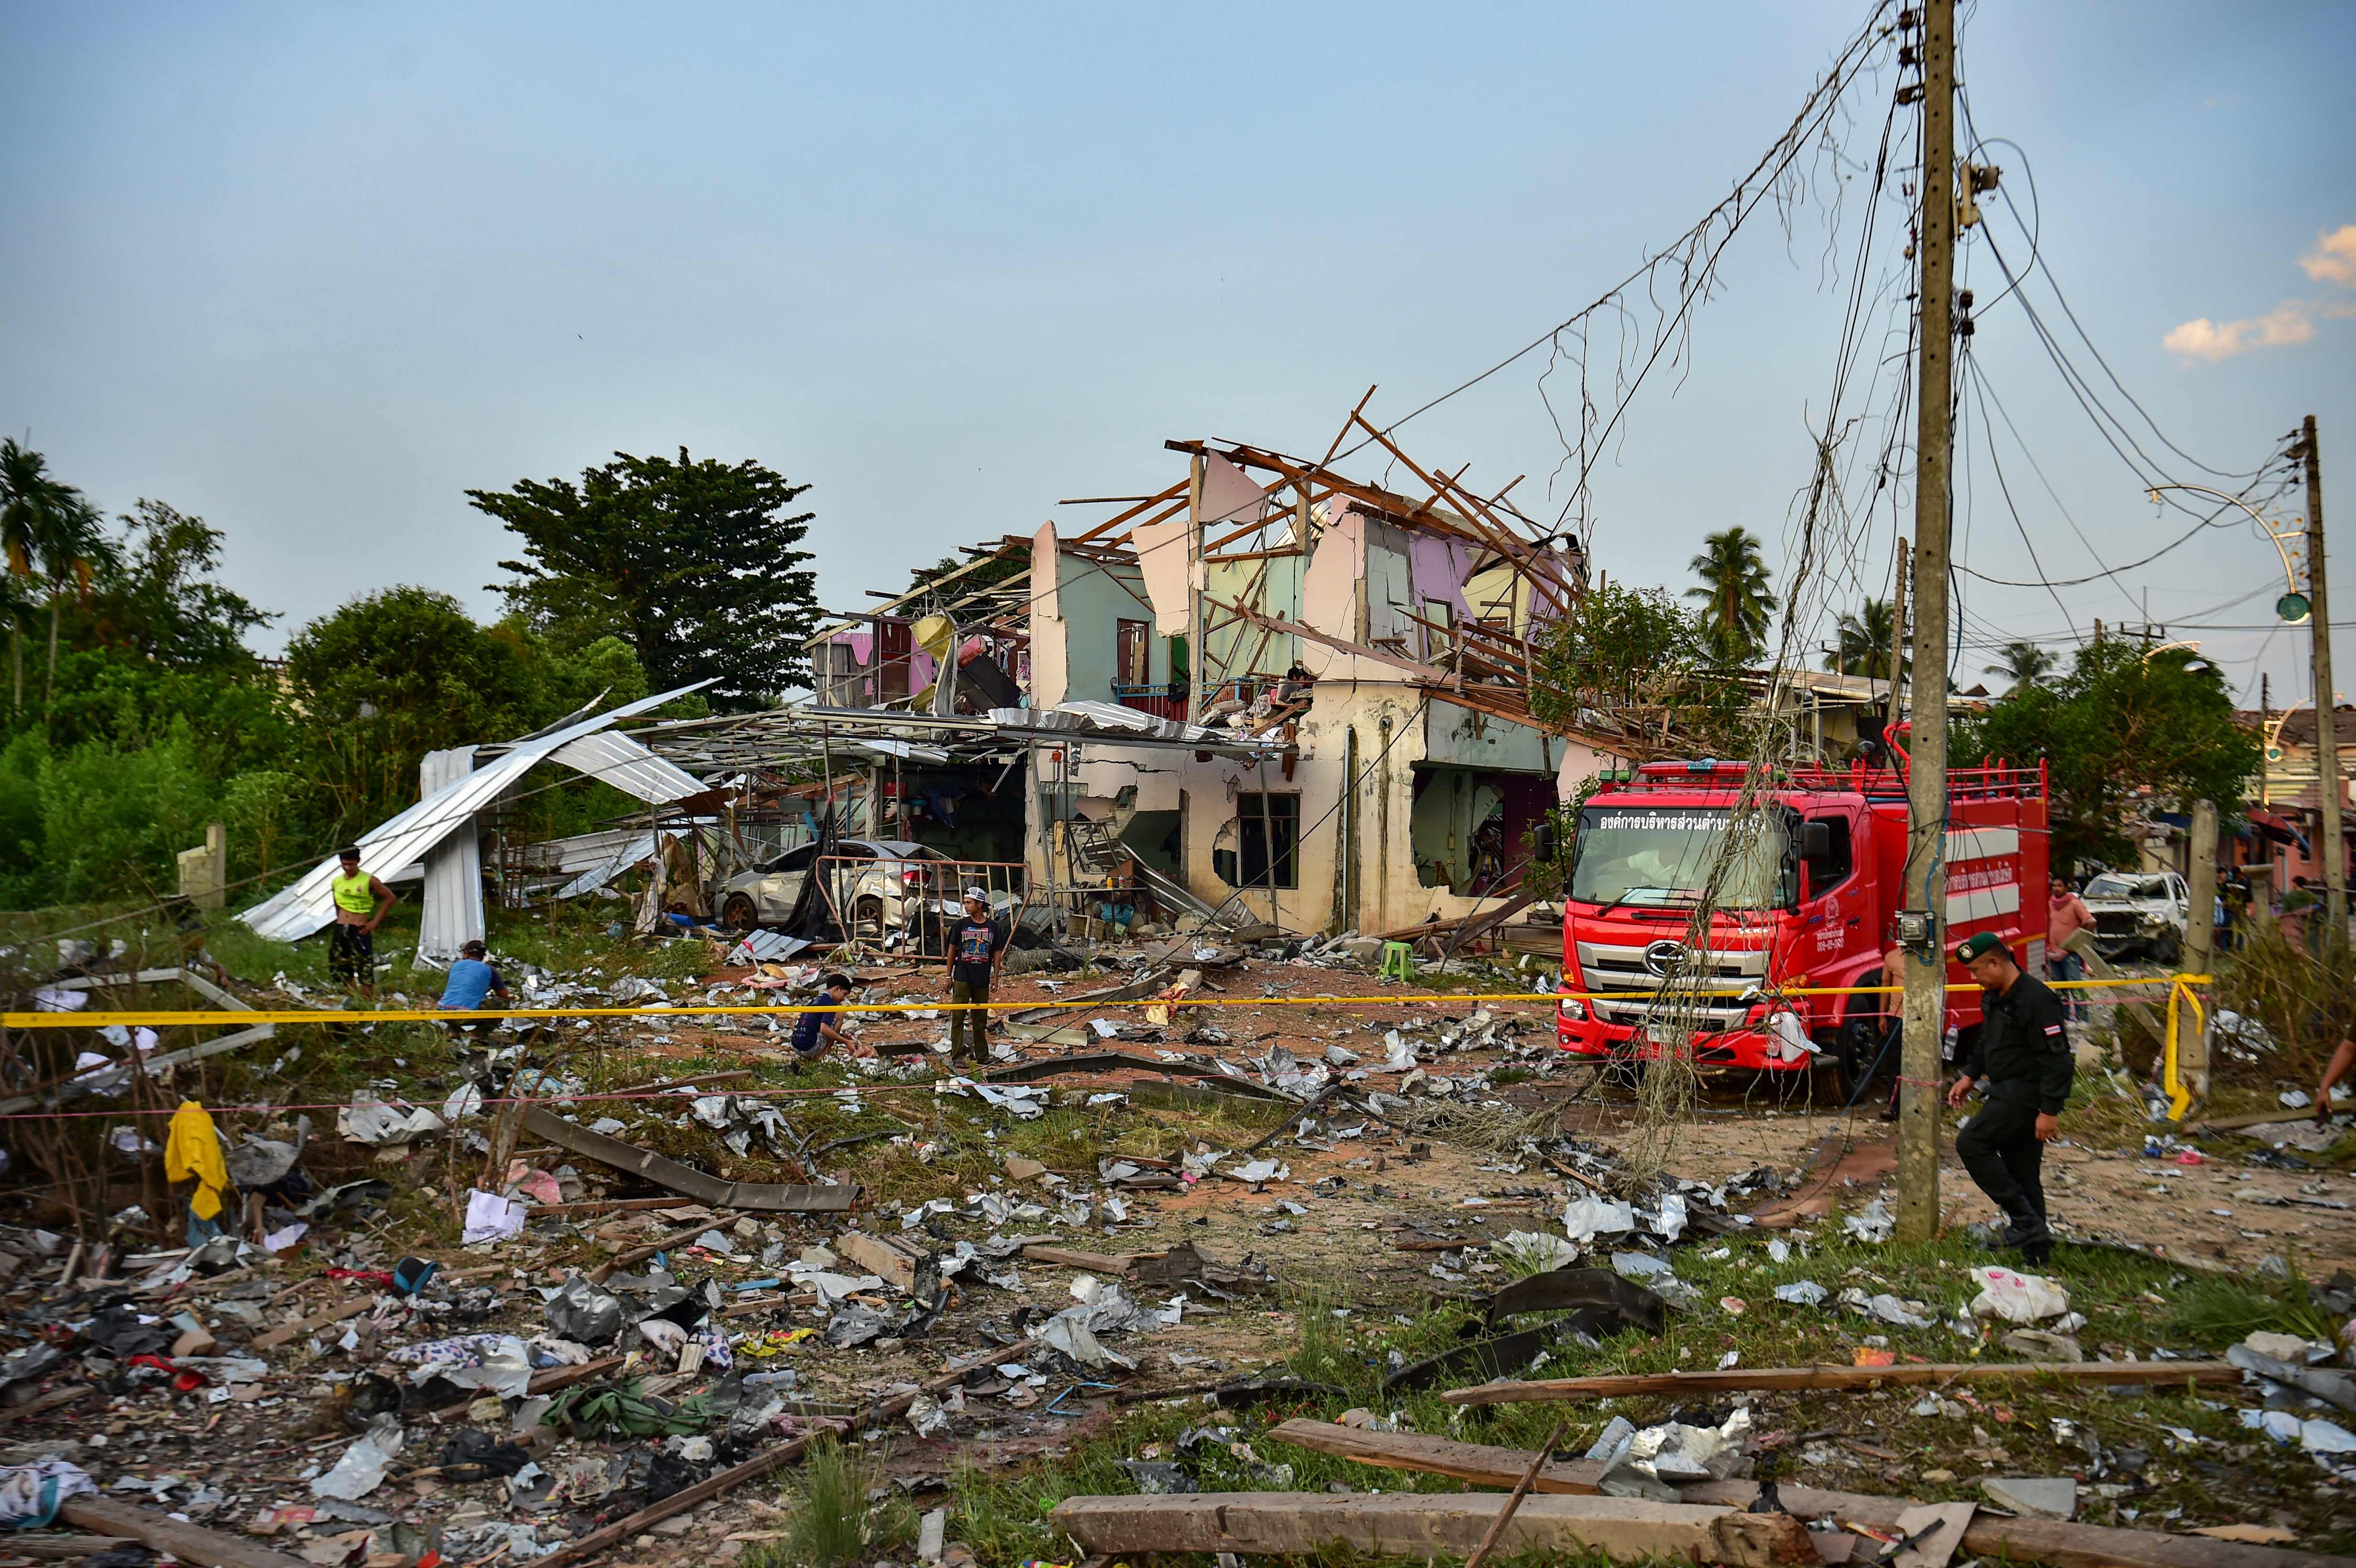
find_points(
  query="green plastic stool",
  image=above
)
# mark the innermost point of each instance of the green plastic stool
(1398, 961)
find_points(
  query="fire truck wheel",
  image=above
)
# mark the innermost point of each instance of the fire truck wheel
(1859, 1057)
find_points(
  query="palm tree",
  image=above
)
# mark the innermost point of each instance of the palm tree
(1861, 641)
(2025, 664)
(73, 545)
(38, 515)
(1736, 600)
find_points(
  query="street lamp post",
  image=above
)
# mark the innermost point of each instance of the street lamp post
(2309, 607)
(2293, 606)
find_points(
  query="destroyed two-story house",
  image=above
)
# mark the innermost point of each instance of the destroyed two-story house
(1267, 689)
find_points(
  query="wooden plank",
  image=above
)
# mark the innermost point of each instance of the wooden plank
(188, 1542)
(767, 1196)
(759, 1464)
(61, 1546)
(313, 1323)
(2032, 1540)
(878, 1257)
(1738, 1379)
(1066, 1257)
(1514, 1502)
(2249, 1119)
(1421, 1526)
(1476, 1462)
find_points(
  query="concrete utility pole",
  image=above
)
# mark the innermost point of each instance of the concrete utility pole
(2199, 938)
(2327, 724)
(1925, 1014)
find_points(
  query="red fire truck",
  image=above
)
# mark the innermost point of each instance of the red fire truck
(1811, 899)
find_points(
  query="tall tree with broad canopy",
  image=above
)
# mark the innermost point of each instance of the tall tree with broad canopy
(693, 563)
(1635, 662)
(2119, 729)
(1736, 600)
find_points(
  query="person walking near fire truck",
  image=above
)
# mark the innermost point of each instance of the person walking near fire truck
(2022, 1058)
(2066, 916)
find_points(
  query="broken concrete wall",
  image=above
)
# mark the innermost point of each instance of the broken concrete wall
(1217, 803)
(1371, 863)
(1080, 601)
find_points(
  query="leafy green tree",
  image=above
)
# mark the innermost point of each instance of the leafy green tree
(1736, 600)
(155, 595)
(2116, 727)
(113, 821)
(263, 809)
(1861, 642)
(398, 673)
(2023, 664)
(1635, 664)
(694, 563)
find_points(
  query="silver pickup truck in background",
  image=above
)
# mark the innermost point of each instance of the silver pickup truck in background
(2140, 914)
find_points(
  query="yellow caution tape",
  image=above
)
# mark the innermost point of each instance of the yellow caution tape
(161, 1017)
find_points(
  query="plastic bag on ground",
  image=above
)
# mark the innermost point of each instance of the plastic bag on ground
(29, 1494)
(585, 1312)
(2018, 1297)
(362, 1469)
(496, 1364)
(1874, 1222)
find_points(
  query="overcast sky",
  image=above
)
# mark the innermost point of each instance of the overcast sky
(311, 271)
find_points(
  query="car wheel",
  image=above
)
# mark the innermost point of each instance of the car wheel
(869, 912)
(2167, 949)
(738, 913)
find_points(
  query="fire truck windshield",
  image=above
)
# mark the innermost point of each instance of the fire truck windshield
(1659, 855)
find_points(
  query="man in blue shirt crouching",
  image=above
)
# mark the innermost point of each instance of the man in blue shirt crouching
(471, 978)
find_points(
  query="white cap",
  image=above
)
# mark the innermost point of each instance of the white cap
(981, 893)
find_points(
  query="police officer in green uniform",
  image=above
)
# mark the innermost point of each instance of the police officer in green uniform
(2024, 1063)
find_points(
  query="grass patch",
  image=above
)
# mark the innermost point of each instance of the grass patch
(833, 1522)
(2220, 1309)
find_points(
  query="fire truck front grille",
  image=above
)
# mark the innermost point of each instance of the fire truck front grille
(1608, 967)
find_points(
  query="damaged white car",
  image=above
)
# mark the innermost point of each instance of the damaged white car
(2140, 914)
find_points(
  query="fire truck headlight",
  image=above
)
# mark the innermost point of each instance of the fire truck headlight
(1572, 1010)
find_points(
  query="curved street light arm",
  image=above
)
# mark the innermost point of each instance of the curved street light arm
(2290, 576)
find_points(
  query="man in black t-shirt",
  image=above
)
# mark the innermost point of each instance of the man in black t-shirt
(2023, 1054)
(974, 944)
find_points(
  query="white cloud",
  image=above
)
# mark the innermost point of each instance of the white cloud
(2333, 260)
(2201, 338)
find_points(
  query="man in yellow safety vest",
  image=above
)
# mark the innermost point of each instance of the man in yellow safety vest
(362, 901)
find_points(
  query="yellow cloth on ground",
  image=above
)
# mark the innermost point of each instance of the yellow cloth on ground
(192, 1149)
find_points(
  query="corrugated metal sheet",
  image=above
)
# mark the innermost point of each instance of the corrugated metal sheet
(627, 851)
(304, 907)
(621, 762)
(453, 868)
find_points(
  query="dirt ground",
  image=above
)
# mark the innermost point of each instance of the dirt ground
(1366, 1223)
